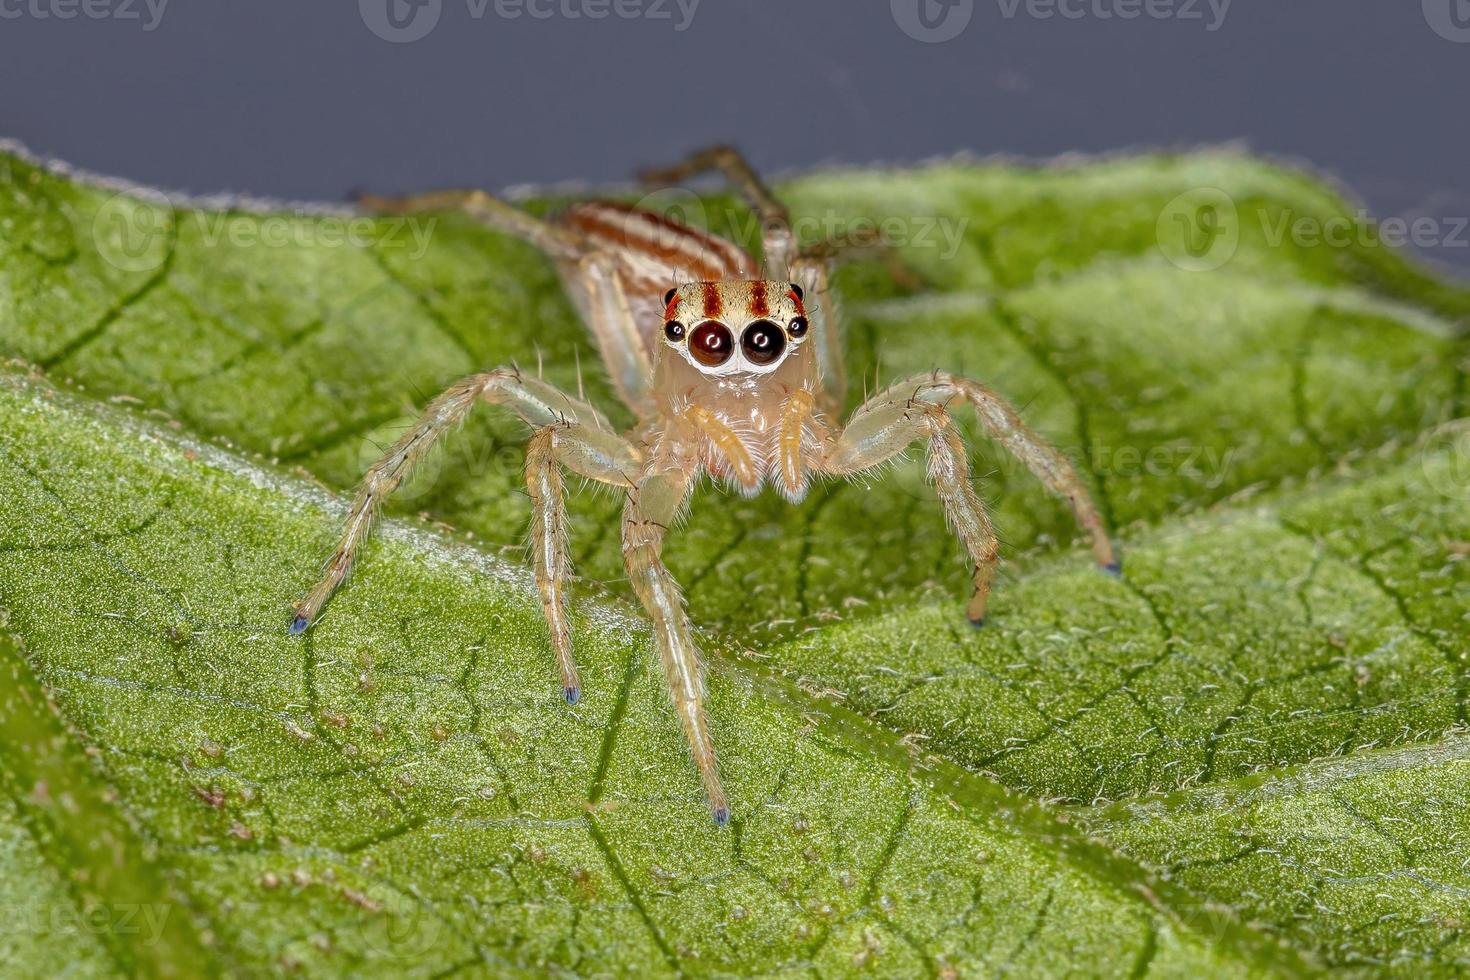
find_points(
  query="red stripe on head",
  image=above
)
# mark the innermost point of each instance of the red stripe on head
(672, 305)
(759, 305)
(800, 307)
(712, 304)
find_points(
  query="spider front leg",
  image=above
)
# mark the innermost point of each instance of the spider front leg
(920, 407)
(568, 433)
(650, 511)
(596, 454)
(884, 428)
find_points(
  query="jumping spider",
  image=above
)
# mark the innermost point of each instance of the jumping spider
(733, 369)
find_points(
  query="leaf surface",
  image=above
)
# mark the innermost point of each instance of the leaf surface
(1251, 736)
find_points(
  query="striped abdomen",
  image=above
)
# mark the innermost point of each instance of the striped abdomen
(655, 253)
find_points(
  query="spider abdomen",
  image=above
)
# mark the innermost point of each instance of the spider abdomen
(652, 252)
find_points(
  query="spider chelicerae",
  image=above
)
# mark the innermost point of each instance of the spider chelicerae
(732, 368)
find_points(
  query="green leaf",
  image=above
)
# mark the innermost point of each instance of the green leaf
(1253, 730)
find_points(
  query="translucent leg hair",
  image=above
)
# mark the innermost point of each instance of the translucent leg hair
(568, 433)
(920, 407)
(647, 516)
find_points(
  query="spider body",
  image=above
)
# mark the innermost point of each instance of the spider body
(733, 369)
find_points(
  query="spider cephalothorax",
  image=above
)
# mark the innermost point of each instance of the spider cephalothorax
(740, 378)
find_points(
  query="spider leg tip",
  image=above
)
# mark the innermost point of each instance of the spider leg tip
(573, 694)
(722, 815)
(299, 624)
(1113, 568)
(976, 622)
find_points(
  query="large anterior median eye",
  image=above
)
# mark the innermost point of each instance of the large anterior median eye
(711, 343)
(763, 342)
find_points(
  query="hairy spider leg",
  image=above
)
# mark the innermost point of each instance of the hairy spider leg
(568, 433)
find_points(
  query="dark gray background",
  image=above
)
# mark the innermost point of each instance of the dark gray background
(298, 98)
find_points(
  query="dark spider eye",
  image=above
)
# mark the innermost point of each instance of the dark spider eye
(798, 327)
(674, 330)
(797, 290)
(711, 343)
(762, 342)
(669, 296)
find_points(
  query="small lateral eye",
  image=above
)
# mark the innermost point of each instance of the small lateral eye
(674, 330)
(798, 327)
(797, 290)
(669, 296)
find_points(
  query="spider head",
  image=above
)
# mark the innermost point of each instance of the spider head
(735, 327)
